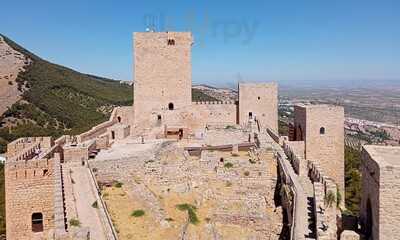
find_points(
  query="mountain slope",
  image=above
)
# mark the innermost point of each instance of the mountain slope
(56, 100)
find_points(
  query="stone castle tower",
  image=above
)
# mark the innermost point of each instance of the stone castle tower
(259, 101)
(30, 198)
(162, 74)
(321, 127)
(33, 190)
(379, 208)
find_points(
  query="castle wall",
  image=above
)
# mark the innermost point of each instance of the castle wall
(122, 115)
(322, 129)
(30, 188)
(389, 210)
(261, 100)
(295, 152)
(370, 192)
(379, 210)
(20, 146)
(300, 125)
(125, 115)
(199, 114)
(119, 131)
(196, 116)
(162, 73)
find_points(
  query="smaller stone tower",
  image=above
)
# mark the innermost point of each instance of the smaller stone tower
(30, 186)
(379, 210)
(321, 127)
(259, 101)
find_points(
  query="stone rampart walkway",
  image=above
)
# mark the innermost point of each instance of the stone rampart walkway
(85, 196)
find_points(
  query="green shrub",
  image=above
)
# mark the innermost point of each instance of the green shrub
(193, 219)
(3, 145)
(228, 165)
(138, 213)
(74, 222)
(338, 197)
(247, 173)
(118, 184)
(185, 206)
(352, 180)
(329, 198)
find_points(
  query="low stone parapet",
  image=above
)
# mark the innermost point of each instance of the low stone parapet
(295, 152)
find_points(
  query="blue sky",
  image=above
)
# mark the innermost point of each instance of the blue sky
(289, 41)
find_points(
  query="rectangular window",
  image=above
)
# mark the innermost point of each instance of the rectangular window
(37, 222)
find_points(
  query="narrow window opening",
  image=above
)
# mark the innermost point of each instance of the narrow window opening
(322, 130)
(119, 119)
(112, 135)
(250, 115)
(159, 117)
(180, 133)
(258, 97)
(45, 172)
(37, 222)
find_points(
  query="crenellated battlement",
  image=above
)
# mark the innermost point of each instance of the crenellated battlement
(24, 148)
(214, 102)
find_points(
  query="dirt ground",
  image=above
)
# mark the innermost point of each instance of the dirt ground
(224, 208)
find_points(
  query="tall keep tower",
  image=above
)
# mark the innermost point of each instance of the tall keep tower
(162, 74)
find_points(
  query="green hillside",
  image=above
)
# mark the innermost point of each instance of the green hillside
(58, 100)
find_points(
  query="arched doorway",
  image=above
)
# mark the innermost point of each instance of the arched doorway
(171, 106)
